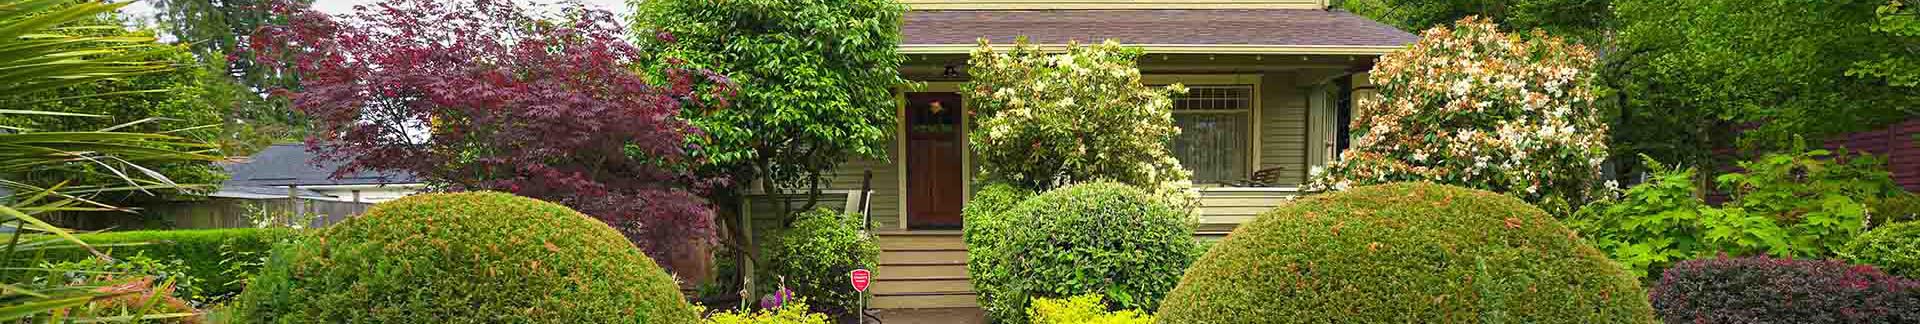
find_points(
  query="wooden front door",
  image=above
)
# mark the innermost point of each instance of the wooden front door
(934, 175)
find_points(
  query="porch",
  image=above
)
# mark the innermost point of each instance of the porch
(927, 268)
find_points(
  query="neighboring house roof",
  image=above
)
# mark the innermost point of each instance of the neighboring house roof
(266, 174)
(1223, 31)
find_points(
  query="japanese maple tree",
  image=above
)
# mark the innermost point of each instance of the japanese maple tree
(487, 95)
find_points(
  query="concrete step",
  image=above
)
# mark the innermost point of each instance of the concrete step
(919, 271)
(942, 257)
(929, 300)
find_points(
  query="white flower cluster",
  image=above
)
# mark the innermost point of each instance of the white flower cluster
(1472, 106)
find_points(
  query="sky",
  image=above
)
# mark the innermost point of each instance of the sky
(143, 9)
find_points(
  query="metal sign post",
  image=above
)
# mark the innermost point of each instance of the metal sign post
(861, 278)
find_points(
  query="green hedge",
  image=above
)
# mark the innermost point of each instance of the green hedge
(816, 255)
(1406, 253)
(480, 257)
(1894, 248)
(200, 250)
(1105, 239)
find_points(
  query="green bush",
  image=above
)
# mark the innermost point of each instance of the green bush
(1402, 253)
(816, 254)
(201, 252)
(1085, 309)
(983, 222)
(1802, 204)
(793, 312)
(1894, 248)
(463, 258)
(1895, 209)
(1106, 239)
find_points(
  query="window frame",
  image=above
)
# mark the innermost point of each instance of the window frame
(1252, 83)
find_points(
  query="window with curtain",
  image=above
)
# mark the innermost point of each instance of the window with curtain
(1215, 129)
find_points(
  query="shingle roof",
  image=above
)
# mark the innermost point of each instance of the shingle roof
(285, 164)
(1279, 27)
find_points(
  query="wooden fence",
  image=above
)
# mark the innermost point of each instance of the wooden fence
(212, 213)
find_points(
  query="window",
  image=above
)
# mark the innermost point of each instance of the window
(1215, 126)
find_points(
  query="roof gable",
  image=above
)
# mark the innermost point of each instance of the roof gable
(1282, 31)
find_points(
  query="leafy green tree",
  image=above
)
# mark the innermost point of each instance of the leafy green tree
(1584, 21)
(216, 30)
(813, 79)
(1688, 71)
(1900, 67)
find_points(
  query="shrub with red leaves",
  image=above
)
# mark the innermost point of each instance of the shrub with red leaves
(484, 95)
(1768, 290)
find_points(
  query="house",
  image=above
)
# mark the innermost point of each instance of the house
(288, 169)
(283, 180)
(1271, 85)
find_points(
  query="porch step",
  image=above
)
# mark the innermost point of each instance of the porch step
(922, 269)
(909, 272)
(923, 257)
(920, 242)
(925, 301)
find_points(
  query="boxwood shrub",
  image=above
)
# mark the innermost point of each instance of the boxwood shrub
(1104, 239)
(816, 254)
(1404, 253)
(463, 258)
(1768, 290)
(201, 251)
(1893, 248)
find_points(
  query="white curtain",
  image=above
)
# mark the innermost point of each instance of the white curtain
(1213, 145)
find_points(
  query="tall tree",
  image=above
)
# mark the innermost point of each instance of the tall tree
(814, 79)
(1584, 21)
(1697, 69)
(217, 30)
(486, 96)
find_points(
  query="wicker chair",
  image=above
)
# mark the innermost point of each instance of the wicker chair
(1268, 177)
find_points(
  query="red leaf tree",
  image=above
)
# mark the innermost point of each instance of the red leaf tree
(484, 95)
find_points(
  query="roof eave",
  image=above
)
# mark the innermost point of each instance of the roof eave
(922, 49)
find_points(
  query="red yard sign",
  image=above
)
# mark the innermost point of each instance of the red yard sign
(861, 277)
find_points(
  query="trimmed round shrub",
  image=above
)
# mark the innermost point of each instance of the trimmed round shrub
(1894, 248)
(1768, 290)
(1403, 253)
(463, 258)
(1105, 239)
(816, 255)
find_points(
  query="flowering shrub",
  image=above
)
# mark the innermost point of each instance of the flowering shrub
(1805, 204)
(1768, 290)
(486, 96)
(794, 312)
(1083, 309)
(1051, 120)
(1475, 107)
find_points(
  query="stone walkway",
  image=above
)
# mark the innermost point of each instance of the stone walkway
(931, 316)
